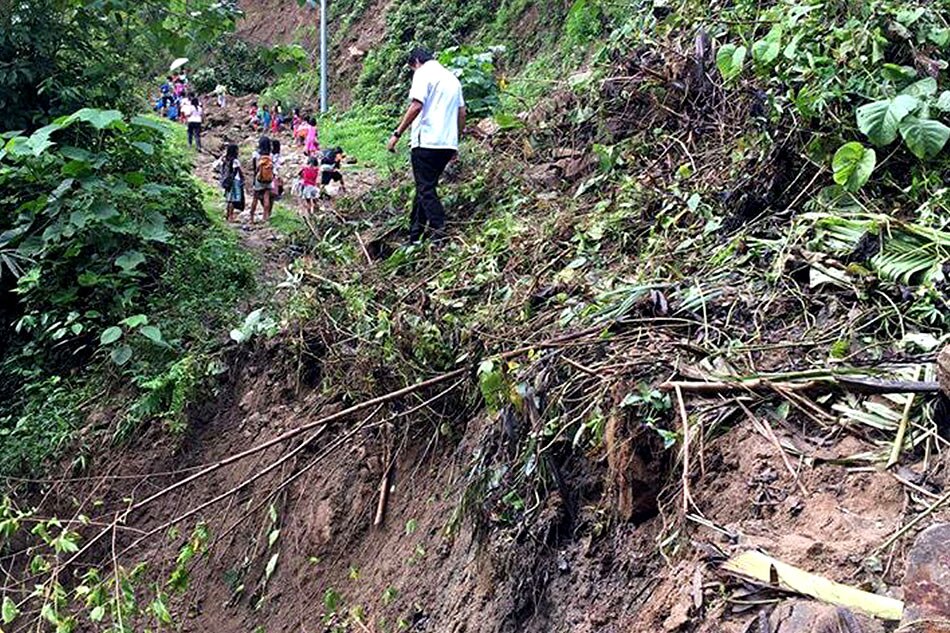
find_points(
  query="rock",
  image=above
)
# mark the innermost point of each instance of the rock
(487, 127)
(545, 175)
(356, 52)
(803, 616)
(927, 580)
(943, 370)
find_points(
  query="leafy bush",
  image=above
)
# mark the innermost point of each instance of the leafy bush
(108, 252)
(245, 68)
(204, 80)
(94, 200)
(908, 114)
(476, 71)
(436, 24)
(584, 22)
(60, 55)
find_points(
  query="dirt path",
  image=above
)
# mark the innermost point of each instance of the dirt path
(229, 125)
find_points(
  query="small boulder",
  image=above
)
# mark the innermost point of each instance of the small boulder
(927, 581)
(804, 616)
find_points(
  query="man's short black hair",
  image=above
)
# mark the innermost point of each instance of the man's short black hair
(419, 54)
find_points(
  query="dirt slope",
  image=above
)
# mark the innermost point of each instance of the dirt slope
(284, 22)
(303, 542)
(279, 22)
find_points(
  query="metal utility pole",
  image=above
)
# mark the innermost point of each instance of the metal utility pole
(323, 56)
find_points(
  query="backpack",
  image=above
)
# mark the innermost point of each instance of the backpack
(226, 177)
(265, 169)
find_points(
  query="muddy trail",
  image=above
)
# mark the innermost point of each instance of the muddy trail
(230, 125)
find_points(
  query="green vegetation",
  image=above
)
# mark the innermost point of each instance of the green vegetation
(739, 193)
(362, 132)
(287, 220)
(245, 68)
(112, 259)
(62, 55)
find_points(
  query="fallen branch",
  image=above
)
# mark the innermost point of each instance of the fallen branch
(765, 570)
(283, 437)
(359, 238)
(754, 384)
(902, 428)
(860, 385)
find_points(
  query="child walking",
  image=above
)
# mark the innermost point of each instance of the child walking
(309, 176)
(312, 144)
(277, 185)
(265, 119)
(263, 164)
(232, 182)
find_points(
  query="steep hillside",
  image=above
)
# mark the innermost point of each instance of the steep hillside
(689, 317)
(279, 22)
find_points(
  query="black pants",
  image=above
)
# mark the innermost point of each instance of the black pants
(194, 134)
(427, 167)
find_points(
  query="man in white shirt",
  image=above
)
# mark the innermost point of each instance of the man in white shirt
(437, 116)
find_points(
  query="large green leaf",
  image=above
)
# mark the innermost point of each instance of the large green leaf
(121, 355)
(924, 137)
(10, 610)
(152, 333)
(729, 60)
(880, 120)
(767, 50)
(853, 164)
(130, 260)
(99, 119)
(110, 335)
(926, 87)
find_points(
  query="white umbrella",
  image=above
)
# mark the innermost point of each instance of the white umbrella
(178, 63)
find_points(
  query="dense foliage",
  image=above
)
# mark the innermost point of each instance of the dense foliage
(98, 205)
(245, 67)
(57, 56)
(101, 216)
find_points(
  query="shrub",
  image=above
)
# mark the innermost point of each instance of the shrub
(476, 71)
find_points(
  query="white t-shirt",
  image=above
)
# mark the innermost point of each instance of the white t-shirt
(190, 112)
(440, 93)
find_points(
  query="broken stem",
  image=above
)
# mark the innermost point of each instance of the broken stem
(687, 499)
(902, 427)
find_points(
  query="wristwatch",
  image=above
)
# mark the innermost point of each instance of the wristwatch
(397, 133)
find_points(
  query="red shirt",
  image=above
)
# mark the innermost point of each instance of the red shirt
(310, 175)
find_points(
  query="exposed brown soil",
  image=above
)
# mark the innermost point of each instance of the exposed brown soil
(621, 542)
(272, 22)
(284, 22)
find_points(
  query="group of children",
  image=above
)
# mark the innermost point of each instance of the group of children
(177, 103)
(266, 181)
(172, 93)
(273, 119)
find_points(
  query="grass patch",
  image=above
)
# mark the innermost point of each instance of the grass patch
(362, 132)
(41, 422)
(207, 276)
(287, 221)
